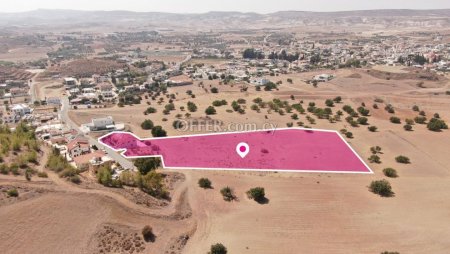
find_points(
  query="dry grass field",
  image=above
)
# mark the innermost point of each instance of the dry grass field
(335, 212)
(319, 213)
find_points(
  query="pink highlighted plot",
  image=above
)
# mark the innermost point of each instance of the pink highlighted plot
(292, 149)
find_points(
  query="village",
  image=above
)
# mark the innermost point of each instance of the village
(386, 93)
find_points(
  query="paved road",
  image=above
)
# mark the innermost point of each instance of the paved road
(93, 141)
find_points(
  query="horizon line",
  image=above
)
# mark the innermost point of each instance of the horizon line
(226, 11)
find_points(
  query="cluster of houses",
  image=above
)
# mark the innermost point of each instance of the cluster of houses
(13, 88)
(15, 113)
(88, 91)
(75, 148)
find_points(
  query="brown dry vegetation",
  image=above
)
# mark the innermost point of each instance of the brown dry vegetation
(335, 212)
(83, 68)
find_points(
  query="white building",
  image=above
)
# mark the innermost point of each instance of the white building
(53, 101)
(70, 82)
(259, 81)
(103, 123)
(21, 109)
(323, 77)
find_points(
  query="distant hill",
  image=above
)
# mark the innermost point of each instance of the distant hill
(226, 20)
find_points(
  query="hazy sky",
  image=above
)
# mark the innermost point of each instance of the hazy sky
(196, 6)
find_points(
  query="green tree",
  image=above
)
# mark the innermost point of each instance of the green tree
(152, 183)
(177, 124)
(258, 194)
(407, 127)
(420, 119)
(402, 159)
(147, 234)
(150, 110)
(436, 124)
(104, 177)
(158, 131)
(204, 183)
(210, 110)
(12, 192)
(395, 120)
(390, 172)
(329, 103)
(191, 106)
(372, 128)
(147, 124)
(145, 165)
(381, 187)
(227, 193)
(362, 120)
(338, 99)
(218, 248)
(374, 159)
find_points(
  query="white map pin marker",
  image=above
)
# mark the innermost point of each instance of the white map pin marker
(242, 149)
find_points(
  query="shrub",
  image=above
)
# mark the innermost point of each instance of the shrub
(402, 159)
(420, 119)
(214, 90)
(14, 169)
(415, 108)
(147, 124)
(218, 248)
(104, 176)
(349, 134)
(241, 101)
(409, 121)
(338, 99)
(372, 128)
(177, 124)
(390, 252)
(4, 169)
(436, 124)
(210, 110)
(69, 171)
(227, 193)
(258, 194)
(150, 110)
(363, 111)
(12, 193)
(257, 100)
(375, 149)
(31, 156)
(329, 103)
(390, 172)
(204, 183)
(158, 131)
(381, 187)
(28, 174)
(75, 179)
(407, 127)
(395, 120)
(145, 165)
(152, 184)
(218, 103)
(42, 174)
(147, 233)
(128, 178)
(362, 120)
(374, 159)
(191, 106)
